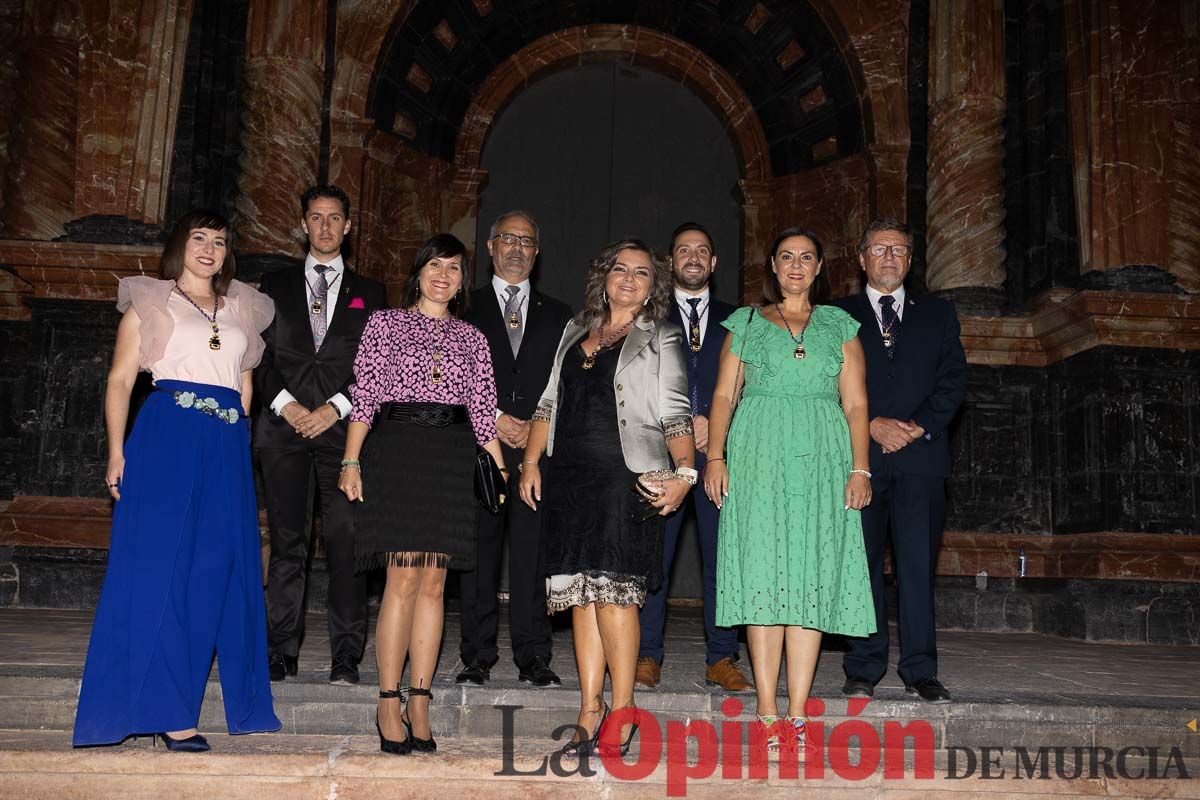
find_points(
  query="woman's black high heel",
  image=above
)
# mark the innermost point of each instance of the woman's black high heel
(419, 745)
(401, 748)
(193, 744)
(623, 748)
(586, 746)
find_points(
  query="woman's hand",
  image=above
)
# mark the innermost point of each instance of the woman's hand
(531, 485)
(672, 495)
(858, 491)
(350, 482)
(113, 475)
(716, 482)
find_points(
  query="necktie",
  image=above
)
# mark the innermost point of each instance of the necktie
(694, 355)
(320, 306)
(889, 323)
(512, 318)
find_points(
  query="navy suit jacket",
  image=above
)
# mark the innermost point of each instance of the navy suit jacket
(703, 378)
(925, 381)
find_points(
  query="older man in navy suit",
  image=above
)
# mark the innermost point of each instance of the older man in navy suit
(693, 259)
(916, 378)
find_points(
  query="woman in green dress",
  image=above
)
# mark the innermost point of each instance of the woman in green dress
(791, 563)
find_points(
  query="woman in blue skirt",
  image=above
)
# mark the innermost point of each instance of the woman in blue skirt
(184, 568)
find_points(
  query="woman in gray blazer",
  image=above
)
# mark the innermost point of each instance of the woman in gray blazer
(615, 412)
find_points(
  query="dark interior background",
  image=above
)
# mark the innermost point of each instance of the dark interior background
(605, 151)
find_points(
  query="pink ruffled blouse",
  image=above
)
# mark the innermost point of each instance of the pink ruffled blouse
(174, 335)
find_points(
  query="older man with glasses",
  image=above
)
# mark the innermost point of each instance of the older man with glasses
(522, 327)
(916, 378)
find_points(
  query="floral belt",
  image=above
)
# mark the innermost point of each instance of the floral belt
(207, 405)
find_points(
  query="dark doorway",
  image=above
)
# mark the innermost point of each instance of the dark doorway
(603, 151)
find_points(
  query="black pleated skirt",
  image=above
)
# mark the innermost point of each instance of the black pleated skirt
(419, 504)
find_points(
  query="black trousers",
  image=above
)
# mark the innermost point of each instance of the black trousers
(528, 623)
(288, 476)
(913, 508)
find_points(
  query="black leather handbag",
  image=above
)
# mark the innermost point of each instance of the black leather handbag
(490, 486)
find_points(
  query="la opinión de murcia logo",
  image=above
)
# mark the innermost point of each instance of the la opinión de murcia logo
(852, 749)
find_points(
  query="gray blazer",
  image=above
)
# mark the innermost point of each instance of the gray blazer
(650, 388)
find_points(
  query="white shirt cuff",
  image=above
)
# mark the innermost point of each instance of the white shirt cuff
(281, 400)
(498, 413)
(342, 405)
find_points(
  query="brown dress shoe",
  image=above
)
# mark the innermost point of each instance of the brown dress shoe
(726, 674)
(649, 673)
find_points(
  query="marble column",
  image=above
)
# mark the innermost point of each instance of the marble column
(965, 215)
(281, 124)
(39, 191)
(131, 59)
(758, 221)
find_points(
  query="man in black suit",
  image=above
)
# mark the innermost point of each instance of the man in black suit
(916, 378)
(523, 327)
(304, 379)
(693, 260)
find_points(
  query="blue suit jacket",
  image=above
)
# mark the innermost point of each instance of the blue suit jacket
(704, 376)
(925, 381)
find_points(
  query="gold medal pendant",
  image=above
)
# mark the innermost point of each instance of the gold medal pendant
(589, 361)
(695, 338)
(888, 340)
(214, 343)
(435, 375)
(800, 351)
(514, 321)
(316, 308)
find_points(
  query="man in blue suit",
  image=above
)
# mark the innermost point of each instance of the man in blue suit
(693, 259)
(916, 378)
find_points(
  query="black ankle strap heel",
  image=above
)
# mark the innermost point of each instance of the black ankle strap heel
(401, 748)
(419, 745)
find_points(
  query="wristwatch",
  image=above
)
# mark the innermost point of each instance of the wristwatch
(687, 474)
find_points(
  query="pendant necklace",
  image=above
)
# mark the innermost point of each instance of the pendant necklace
(887, 331)
(318, 304)
(800, 352)
(693, 327)
(214, 341)
(589, 361)
(435, 350)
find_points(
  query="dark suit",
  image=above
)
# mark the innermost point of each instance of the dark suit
(289, 461)
(519, 385)
(702, 380)
(924, 382)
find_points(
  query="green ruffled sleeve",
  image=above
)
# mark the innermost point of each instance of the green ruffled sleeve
(747, 341)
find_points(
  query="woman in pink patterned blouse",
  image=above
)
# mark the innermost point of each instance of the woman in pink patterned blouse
(425, 392)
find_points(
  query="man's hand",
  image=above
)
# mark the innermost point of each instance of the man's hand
(700, 430)
(512, 431)
(893, 435)
(292, 413)
(316, 422)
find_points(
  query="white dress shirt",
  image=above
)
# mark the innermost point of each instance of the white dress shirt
(873, 295)
(685, 311)
(333, 278)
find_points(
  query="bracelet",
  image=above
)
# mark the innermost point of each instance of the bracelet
(521, 466)
(861, 472)
(687, 474)
(716, 458)
(351, 462)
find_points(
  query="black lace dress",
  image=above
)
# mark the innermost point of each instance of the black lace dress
(595, 548)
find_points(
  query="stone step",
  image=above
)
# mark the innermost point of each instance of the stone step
(46, 702)
(310, 767)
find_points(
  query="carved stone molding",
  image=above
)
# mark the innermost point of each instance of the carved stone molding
(965, 212)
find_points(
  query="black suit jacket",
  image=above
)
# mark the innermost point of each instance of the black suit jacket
(703, 378)
(925, 381)
(291, 363)
(520, 381)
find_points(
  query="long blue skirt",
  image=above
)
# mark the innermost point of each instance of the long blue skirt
(184, 579)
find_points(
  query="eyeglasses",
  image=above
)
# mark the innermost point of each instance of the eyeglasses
(897, 250)
(512, 238)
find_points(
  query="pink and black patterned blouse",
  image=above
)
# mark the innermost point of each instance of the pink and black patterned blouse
(395, 361)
